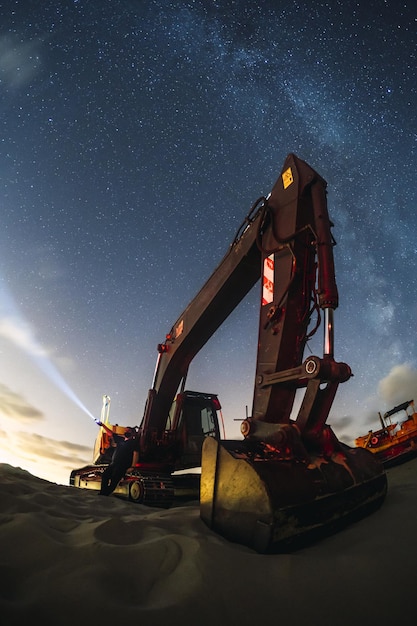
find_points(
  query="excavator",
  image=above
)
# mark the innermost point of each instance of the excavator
(288, 480)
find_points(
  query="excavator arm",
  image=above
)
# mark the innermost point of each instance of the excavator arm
(298, 283)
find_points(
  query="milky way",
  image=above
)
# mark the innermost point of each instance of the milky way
(135, 136)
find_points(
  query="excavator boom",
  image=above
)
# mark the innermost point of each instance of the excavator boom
(228, 285)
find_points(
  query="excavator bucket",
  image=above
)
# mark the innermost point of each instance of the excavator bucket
(274, 503)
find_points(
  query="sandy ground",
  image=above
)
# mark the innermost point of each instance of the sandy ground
(71, 557)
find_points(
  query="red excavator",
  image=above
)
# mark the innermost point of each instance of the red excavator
(289, 479)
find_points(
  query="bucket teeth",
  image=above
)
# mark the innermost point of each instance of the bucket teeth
(275, 505)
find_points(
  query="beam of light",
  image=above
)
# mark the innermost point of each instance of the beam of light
(15, 329)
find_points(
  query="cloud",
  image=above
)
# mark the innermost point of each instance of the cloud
(40, 455)
(17, 407)
(19, 61)
(16, 330)
(21, 335)
(345, 422)
(66, 453)
(399, 386)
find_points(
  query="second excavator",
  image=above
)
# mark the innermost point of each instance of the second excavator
(288, 479)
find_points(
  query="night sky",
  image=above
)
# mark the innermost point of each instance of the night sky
(135, 137)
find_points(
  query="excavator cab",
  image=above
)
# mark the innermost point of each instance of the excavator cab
(194, 417)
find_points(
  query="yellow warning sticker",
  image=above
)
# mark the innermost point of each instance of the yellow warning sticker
(287, 178)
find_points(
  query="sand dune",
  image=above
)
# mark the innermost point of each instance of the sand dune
(70, 557)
